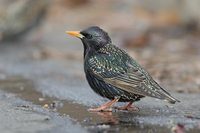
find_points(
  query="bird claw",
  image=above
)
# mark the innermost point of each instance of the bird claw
(105, 107)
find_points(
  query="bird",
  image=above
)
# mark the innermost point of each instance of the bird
(113, 74)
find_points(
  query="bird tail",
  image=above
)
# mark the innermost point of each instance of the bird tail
(171, 99)
(166, 95)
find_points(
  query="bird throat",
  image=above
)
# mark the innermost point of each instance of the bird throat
(88, 51)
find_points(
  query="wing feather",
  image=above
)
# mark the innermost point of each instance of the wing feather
(123, 72)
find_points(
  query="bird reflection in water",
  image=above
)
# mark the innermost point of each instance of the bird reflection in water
(108, 118)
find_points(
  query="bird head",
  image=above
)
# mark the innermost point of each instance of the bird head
(92, 37)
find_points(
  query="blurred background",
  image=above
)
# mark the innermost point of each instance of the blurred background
(163, 36)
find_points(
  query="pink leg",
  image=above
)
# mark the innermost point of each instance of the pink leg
(105, 107)
(128, 107)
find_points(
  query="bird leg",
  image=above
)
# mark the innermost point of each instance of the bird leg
(105, 107)
(128, 107)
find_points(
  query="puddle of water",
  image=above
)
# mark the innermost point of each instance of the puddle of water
(24, 89)
(95, 122)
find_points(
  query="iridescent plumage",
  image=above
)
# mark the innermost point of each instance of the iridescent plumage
(112, 73)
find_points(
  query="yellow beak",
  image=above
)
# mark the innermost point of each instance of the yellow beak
(75, 33)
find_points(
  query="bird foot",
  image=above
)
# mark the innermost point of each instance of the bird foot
(105, 107)
(128, 107)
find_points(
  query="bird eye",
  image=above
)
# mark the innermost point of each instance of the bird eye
(88, 36)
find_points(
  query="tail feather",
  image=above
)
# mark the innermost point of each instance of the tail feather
(171, 99)
(165, 95)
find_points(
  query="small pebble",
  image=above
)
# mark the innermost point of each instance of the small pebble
(41, 99)
(104, 126)
(46, 106)
(21, 88)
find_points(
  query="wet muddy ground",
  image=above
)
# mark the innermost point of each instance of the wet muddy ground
(43, 87)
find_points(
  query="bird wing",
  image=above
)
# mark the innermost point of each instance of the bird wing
(125, 73)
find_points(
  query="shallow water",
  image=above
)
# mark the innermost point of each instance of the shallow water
(157, 118)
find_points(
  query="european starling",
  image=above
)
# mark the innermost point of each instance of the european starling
(113, 74)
